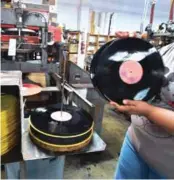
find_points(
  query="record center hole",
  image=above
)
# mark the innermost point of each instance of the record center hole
(61, 116)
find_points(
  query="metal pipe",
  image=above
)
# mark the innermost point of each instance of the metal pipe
(110, 21)
(63, 80)
(79, 15)
(171, 11)
(146, 3)
(152, 12)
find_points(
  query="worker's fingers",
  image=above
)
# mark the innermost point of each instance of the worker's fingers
(126, 109)
(114, 104)
(121, 108)
(129, 102)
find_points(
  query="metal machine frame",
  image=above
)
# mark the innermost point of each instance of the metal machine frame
(8, 17)
(29, 150)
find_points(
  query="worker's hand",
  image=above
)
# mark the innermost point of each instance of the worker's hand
(133, 107)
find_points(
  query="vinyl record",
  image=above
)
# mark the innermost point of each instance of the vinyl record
(10, 123)
(50, 132)
(30, 89)
(128, 68)
(24, 30)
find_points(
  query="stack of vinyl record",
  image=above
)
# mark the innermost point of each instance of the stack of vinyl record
(10, 124)
(61, 131)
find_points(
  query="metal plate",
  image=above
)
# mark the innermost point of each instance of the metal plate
(31, 152)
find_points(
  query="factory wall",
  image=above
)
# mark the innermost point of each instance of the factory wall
(67, 14)
(131, 22)
(73, 16)
(125, 18)
(127, 15)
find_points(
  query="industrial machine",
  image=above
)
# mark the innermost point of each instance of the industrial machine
(165, 33)
(24, 38)
(25, 49)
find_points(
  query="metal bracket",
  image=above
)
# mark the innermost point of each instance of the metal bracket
(74, 96)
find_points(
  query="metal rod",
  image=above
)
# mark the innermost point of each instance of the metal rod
(62, 93)
(19, 32)
(171, 11)
(110, 21)
(79, 15)
(146, 3)
(63, 80)
(152, 13)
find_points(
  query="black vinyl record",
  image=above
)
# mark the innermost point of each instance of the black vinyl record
(80, 122)
(128, 68)
(56, 135)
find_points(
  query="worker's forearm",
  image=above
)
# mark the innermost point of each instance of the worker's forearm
(162, 117)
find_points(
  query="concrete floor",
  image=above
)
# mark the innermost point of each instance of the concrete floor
(100, 165)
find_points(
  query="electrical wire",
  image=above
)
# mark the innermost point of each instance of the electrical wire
(10, 123)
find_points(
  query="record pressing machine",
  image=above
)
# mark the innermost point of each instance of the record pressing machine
(24, 48)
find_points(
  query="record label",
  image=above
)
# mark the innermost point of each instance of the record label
(61, 116)
(131, 72)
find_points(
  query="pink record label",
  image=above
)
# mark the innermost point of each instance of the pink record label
(131, 72)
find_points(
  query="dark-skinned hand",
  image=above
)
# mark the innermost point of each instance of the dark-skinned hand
(133, 107)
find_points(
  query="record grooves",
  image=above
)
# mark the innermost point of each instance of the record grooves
(128, 68)
(10, 124)
(61, 136)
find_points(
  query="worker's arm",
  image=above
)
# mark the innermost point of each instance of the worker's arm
(160, 116)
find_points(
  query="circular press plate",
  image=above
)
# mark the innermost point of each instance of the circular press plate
(30, 89)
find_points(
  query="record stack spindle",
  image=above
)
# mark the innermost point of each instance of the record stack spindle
(61, 127)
